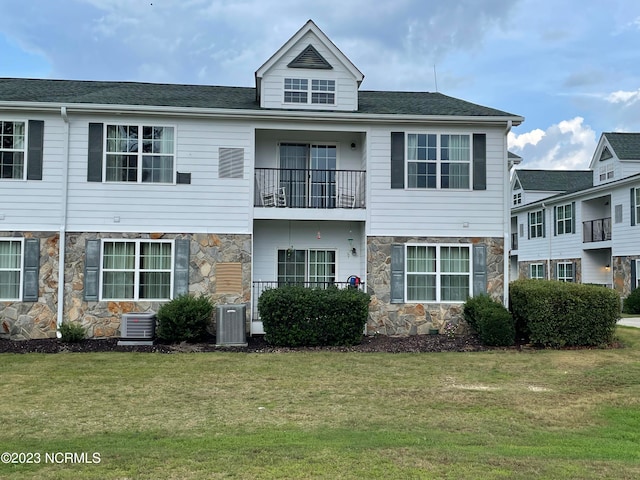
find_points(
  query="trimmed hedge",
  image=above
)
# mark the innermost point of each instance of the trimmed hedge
(295, 316)
(184, 319)
(558, 314)
(491, 320)
(632, 302)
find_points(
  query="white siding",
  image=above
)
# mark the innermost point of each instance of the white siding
(208, 204)
(28, 205)
(429, 212)
(626, 238)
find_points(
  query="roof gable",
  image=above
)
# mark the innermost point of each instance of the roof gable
(554, 180)
(310, 58)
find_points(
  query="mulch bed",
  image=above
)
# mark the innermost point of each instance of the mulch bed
(256, 344)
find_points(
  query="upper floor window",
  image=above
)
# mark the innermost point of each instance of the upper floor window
(536, 224)
(565, 271)
(438, 161)
(10, 269)
(606, 172)
(437, 273)
(140, 153)
(517, 198)
(564, 219)
(635, 206)
(12, 150)
(296, 90)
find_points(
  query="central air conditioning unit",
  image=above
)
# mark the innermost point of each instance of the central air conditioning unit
(137, 329)
(231, 325)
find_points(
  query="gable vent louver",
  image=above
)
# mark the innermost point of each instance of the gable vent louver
(310, 58)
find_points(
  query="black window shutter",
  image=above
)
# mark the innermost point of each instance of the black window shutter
(181, 267)
(479, 161)
(479, 269)
(92, 271)
(544, 223)
(34, 152)
(397, 159)
(555, 221)
(634, 275)
(94, 157)
(633, 206)
(31, 279)
(573, 217)
(397, 273)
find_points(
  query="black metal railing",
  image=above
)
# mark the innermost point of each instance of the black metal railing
(309, 188)
(596, 230)
(514, 241)
(261, 286)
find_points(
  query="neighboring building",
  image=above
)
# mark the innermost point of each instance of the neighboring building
(115, 196)
(581, 226)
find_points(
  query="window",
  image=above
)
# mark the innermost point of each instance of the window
(136, 270)
(149, 159)
(565, 271)
(437, 273)
(635, 206)
(517, 198)
(317, 267)
(12, 150)
(536, 224)
(536, 270)
(296, 90)
(10, 269)
(438, 161)
(564, 219)
(606, 172)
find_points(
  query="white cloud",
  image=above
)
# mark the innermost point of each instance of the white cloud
(567, 145)
(623, 97)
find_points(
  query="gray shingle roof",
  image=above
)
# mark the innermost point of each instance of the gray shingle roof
(204, 96)
(625, 145)
(555, 180)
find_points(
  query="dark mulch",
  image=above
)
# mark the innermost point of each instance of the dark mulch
(256, 344)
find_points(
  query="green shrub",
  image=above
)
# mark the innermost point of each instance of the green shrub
(184, 319)
(632, 302)
(495, 325)
(72, 332)
(472, 307)
(558, 314)
(295, 316)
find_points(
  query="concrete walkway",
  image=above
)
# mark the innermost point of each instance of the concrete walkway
(630, 322)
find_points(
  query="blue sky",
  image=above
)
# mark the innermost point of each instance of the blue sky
(570, 67)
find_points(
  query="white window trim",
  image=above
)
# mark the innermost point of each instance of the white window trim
(136, 277)
(438, 273)
(310, 91)
(537, 265)
(140, 154)
(438, 161)
(517, 198)
(25, 151)
(566, 222)
(541, 224)
(307, 261)
(21, 280)
(571, 279)
(637, 205)
(606, 172)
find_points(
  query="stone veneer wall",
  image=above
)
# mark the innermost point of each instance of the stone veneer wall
(27, 320)
(622, 274)
(523, 268)
(415, 318)
(24, 320)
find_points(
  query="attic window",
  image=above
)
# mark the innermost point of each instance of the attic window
(605, 155)
(296, 90)
(310, 58)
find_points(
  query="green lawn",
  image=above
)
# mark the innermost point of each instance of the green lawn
(501, 414)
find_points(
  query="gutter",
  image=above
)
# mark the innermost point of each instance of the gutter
(506, 228)
(63, 222)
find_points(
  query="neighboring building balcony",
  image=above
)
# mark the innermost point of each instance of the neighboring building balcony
(514, 241)
(596, 230)
(309, 189)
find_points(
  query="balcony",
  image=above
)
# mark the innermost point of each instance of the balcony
(309, 188)
(514, 241)
(596, 230)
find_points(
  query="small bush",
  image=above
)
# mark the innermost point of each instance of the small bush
(472, 307)
(632, 302)
(72, 332)
(495, 326)
(295, 316)
(184, 319)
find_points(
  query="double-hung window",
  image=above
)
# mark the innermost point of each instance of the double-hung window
(12, 150)
(140, 154)
(564, 219)
(564, 271)
(536, 224)
(438, 161)
(323, 92)
(438, 273)
(10, 269)
(316, 267)
(635, 206)
(137, 270)
(536, 270)
(517, 198)
(296, 90)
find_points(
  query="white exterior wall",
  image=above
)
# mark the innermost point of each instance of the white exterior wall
(430, 212)
(272, 95)
(625, 237)
(35, 205)
(208, 204)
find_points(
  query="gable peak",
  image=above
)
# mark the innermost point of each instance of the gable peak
(310, 58)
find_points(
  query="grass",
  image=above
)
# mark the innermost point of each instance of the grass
(491, 415)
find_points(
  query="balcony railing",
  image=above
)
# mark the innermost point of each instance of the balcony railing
(309, 188)
(261, 286)
(514, 241)
(596, 230)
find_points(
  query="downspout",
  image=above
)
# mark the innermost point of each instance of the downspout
(507, 219)
(544, 223)
(63, 222)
